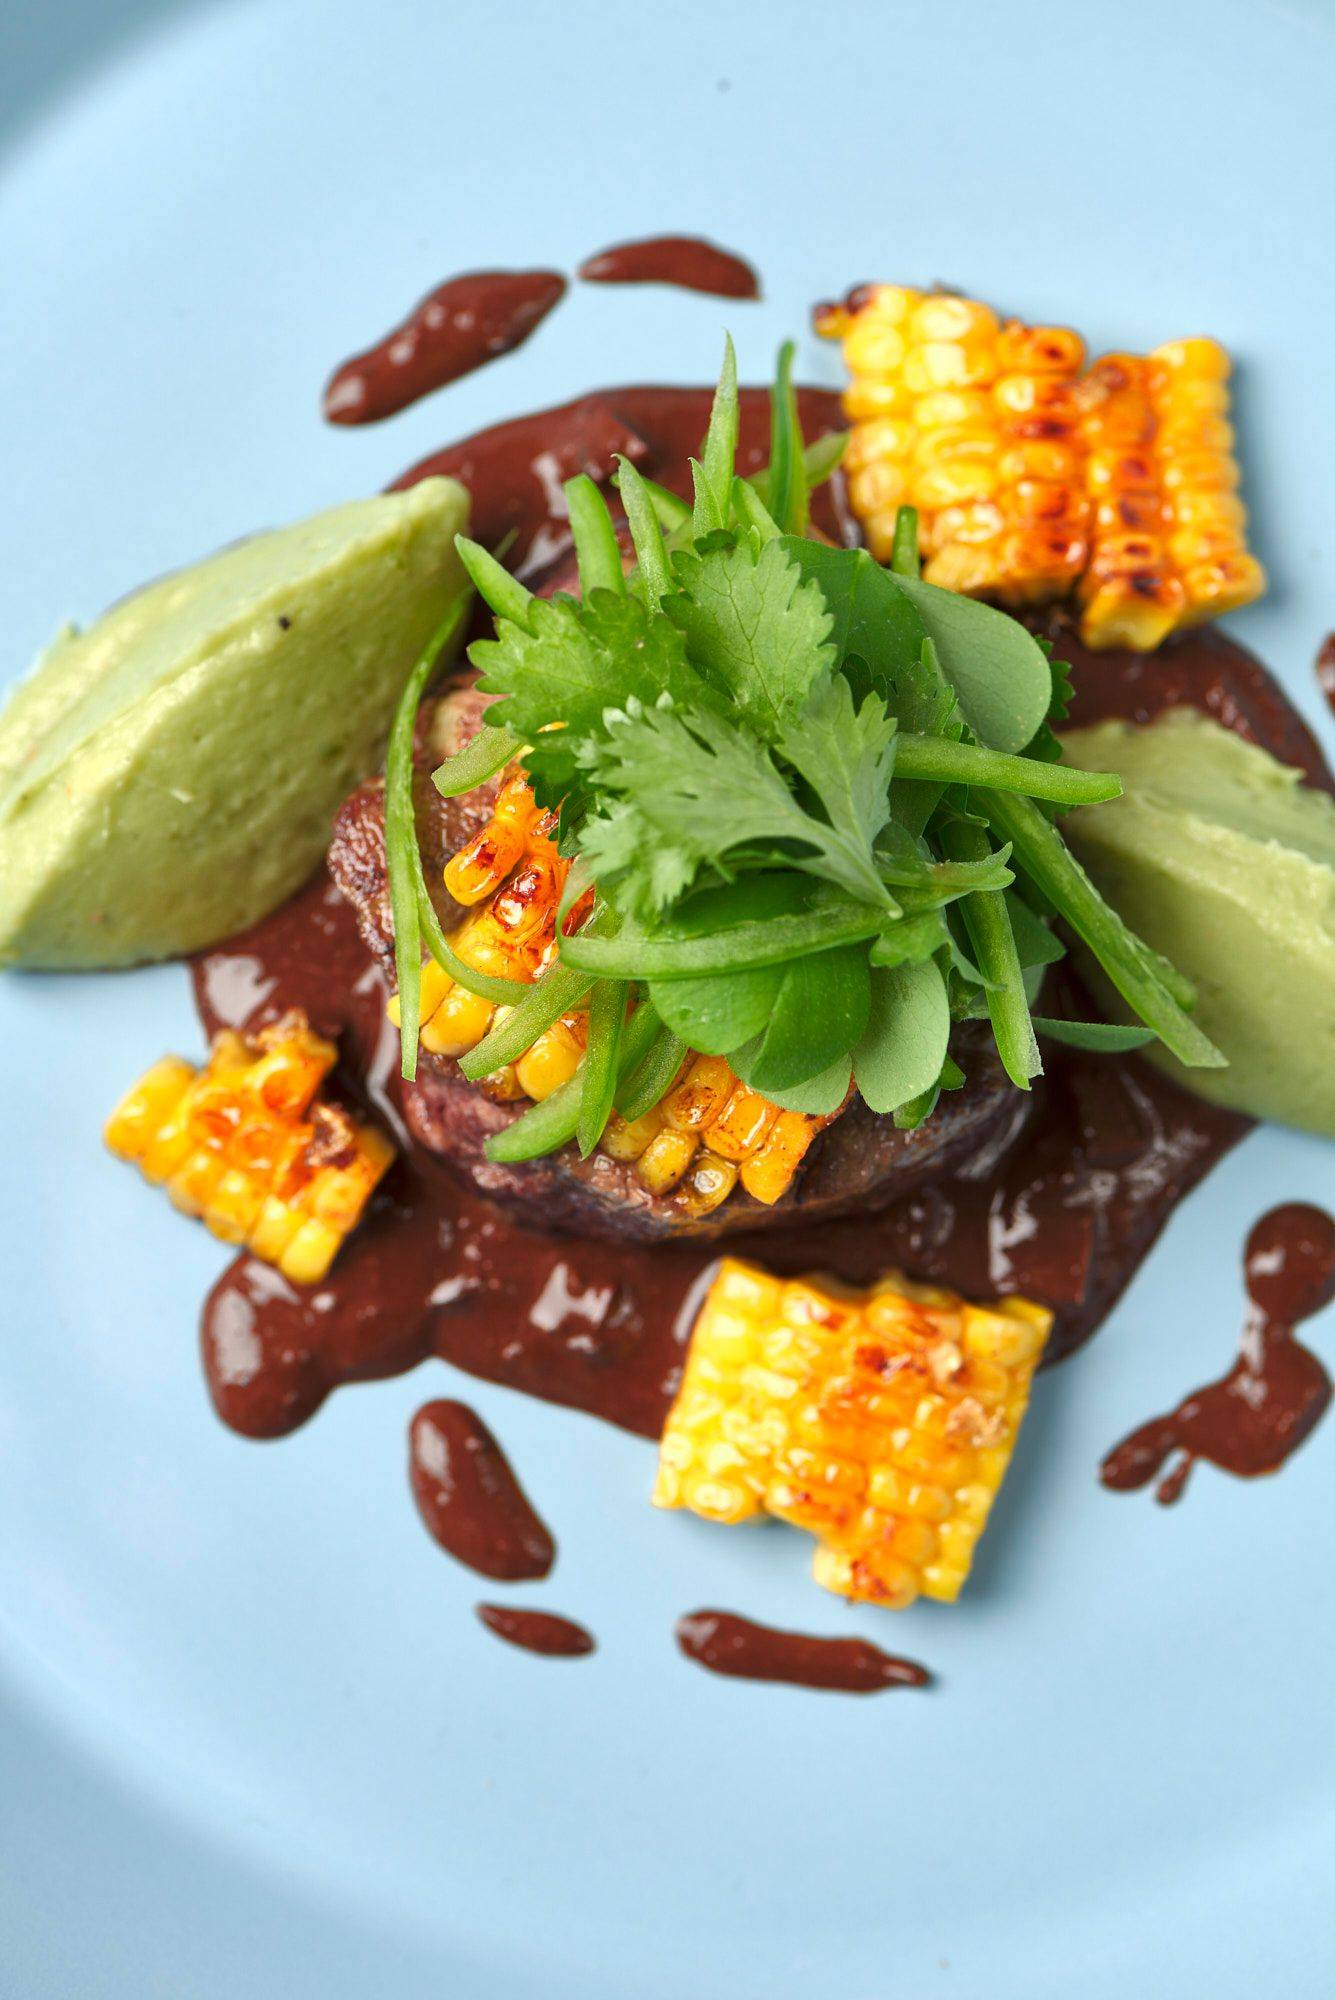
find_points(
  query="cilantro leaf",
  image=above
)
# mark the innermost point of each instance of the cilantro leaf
(712, 790)
(877, 633)
(752, 625)
(573, 662)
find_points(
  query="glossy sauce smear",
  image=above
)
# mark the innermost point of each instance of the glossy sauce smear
(727, 1644)
(462, 324)
(1276, 1392)
(691, 262)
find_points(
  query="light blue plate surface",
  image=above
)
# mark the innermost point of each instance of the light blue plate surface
(251, 1740)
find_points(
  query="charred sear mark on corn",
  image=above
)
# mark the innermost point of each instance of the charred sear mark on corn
(247, 1145)
(1034, 480)
(882, 1422)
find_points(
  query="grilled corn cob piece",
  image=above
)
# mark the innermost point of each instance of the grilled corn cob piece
(1170, 531)
(246, 1145)
(708, 1134)
(881, 1421)
(972, 422)
(1031, 479)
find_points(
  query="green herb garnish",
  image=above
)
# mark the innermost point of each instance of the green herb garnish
(815, 799)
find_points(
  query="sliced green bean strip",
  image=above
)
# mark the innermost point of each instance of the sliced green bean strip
(719, 452)
(644, 529)
(937, 760)
(904, 557)
(607, 1020)
(649, 1083)
(481, 758)
(559, 990)
(672, 511)
(1140, 976)
(553, 1123)
(596, 547)
(752, 511)
(487, 986)
(989, 926)
(771, 941)
(819, 461)
(402, 856)
(496, 587)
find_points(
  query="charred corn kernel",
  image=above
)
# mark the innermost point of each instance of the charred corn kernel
(247, 1145)
(881, 1421)
(768, 1172)
(502, 1085)
(478, 869)
(742, 1124)
(699, 1095)
(552, 1061)
(1189, 384)
(665, 1159)
(458, 1024)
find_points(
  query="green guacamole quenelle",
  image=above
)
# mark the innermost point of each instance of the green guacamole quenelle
(169, 775)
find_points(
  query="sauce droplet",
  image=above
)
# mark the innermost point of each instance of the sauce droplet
(465, 322)
(692, 262)
(469, 1498)
(543, 1632)
(1276, 1392)
(727, 1644)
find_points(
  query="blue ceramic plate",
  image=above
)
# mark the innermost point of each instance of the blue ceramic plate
(251, 1740)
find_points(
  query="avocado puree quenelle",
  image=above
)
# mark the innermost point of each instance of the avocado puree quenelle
(1224, 859)
(169, 775)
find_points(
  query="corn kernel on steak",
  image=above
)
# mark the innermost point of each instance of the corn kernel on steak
(249, 1146)
(711, 1159)
(882, 1422)
(1034, 479)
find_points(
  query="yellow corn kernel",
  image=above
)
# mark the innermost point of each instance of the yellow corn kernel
(191, 1186)
(708, 1183)
(768, 1172)
(143, 1110)
(309, 1252)
(458, 1024)
(234, 1206)
(948, 317)
(479, 869)
(552, 1061)
(881, 1422)
(243, 1144)
(743, 1124)
(626, 1139)
(699, 1094)
(665, 1159)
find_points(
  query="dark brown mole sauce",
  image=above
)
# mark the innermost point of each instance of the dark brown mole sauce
(1276, 1392)
(544, 1632)
(692, 262)
(1110, 1148)
(469, 1499)
(465, 322)
(727, 1644)
(1325, 668)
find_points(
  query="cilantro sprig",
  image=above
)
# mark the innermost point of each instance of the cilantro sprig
(815, 797)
